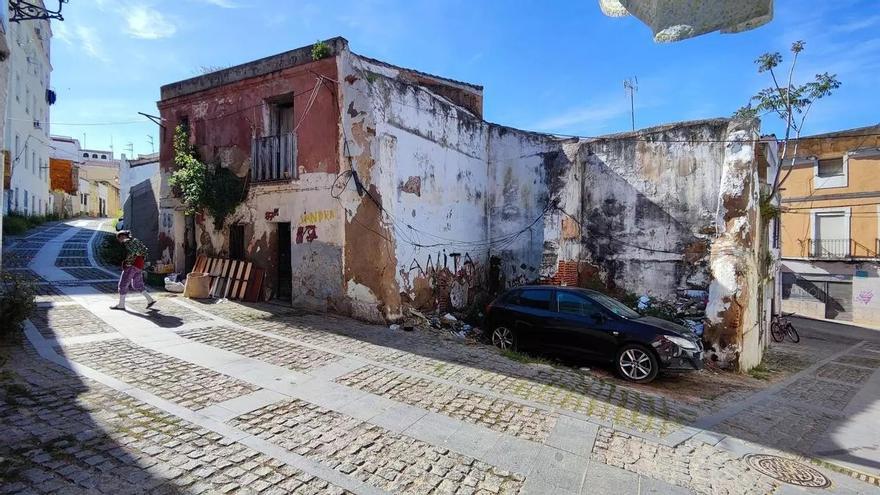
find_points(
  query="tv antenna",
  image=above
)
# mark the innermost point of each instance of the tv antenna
(152, 145)
(130, 148)
(630, 86)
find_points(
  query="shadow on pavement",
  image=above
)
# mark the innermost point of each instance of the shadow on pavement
(61, 434)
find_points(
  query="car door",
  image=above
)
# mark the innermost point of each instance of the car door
(530, 313)
(584, 326)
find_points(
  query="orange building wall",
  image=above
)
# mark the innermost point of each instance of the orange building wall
(800, 197)
(61, 175)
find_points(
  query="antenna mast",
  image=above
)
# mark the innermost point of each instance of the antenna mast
(630, 86)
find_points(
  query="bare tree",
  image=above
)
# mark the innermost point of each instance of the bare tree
(791, 102)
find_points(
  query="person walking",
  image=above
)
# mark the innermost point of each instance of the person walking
(132, 269)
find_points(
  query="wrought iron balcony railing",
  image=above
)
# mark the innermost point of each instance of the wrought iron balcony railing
(842, 249)
(273, 158)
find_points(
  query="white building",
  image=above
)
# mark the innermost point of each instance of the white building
(26, 134)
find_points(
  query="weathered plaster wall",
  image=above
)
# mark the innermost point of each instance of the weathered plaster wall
(657, 212)
(649, 204)
(223, 121)
(527, 174)
(433, 159)
(417, 235)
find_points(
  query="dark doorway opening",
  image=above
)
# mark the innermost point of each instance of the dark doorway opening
(285, 276)
(236, 242)
(189, 242)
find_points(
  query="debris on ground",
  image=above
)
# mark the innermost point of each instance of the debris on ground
(394, 327)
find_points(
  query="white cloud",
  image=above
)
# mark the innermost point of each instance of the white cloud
(90, 42)
(83, 36)
(61, 33)
(594, 117)
(225, 4)
(147, 23)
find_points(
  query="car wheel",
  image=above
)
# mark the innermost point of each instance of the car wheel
(504, 338)
(637, 364)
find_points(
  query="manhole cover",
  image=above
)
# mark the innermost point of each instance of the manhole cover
(788, 471)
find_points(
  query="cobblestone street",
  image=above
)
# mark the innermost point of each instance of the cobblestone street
(202, 397)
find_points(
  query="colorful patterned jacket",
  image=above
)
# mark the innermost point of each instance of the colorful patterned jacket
(135, 252)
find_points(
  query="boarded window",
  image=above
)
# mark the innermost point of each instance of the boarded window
(832, 167)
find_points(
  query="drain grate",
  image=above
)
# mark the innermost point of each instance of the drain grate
(788, 471)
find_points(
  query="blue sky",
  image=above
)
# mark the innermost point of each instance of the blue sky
(549, 66)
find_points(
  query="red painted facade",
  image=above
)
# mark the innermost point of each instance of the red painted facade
(230, 115)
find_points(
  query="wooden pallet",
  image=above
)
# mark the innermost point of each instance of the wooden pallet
(231, 279)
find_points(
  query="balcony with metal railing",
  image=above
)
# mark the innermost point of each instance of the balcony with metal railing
(274, 158)
(840, 249)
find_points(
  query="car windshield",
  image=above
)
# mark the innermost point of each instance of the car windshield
(614, 306)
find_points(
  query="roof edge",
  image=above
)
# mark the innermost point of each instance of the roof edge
(247, 70)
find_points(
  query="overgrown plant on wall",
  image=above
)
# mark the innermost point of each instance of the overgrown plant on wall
(320, 50)
(203, 186)
(789, 101)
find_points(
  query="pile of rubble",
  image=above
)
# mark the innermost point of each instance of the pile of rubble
(446, 324)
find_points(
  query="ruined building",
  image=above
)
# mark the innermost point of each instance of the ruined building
(373, 188)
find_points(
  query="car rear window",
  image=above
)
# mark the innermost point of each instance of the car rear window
(535, 298)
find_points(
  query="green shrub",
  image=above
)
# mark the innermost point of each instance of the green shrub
(320, 50)
(111, 251)
(17, 303)
(14, 224)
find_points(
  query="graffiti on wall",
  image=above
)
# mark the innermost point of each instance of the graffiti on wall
(270, 215)
(865, 296)
(442, 281)
(314, 217)
(306, 232)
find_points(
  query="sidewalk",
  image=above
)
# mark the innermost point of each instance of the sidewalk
(329, 405)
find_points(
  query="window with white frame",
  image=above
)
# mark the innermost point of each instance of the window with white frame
(830, 167)
(831, 236)
(830, 172)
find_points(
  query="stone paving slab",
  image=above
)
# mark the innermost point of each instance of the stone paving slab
(270, 350)
(73, 252)
(68, 321)
(86, 273)
(63, 435)
(781, 423)
(187, 384)
(552, 387)
(844, 373)
(394, 383)
(863, 360)
(72, 261)
(378, 457)
(494, 413)
(821, 393)
(698, 466)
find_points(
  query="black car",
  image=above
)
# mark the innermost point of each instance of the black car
(585, 324)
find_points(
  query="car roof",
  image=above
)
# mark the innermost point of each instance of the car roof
(555, 287)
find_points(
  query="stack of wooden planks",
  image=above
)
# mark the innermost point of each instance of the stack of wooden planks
(232, 279)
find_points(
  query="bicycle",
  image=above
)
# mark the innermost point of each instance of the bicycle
(780, 326)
